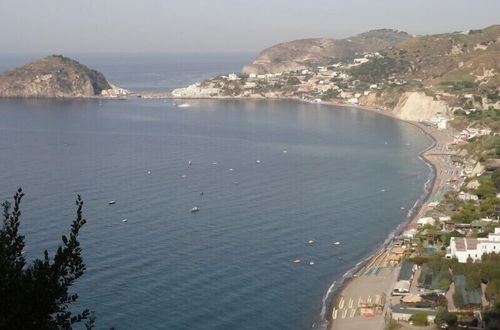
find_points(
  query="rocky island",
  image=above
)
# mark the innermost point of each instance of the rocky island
(55, 76)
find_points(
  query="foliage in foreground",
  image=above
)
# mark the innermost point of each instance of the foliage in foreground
(36, 295)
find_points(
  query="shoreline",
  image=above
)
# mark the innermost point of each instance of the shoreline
(348, 277)
(335, 290)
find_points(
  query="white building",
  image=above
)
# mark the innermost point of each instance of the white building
(425, 221)
(464, 247)
(467, 196)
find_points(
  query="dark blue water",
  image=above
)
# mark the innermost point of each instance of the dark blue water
(228, 266)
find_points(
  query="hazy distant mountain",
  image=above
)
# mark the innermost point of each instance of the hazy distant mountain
(52, 76)
(299, 54)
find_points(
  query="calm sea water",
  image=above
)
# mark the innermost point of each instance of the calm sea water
(344, 177)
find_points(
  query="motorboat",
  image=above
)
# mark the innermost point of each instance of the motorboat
(184, 105)
(112, 202)
(297, 261)
(336, 243)
(195, 209)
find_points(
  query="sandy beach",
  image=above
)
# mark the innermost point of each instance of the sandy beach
(376, 276)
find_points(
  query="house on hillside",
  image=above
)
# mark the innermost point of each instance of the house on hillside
(463, 248)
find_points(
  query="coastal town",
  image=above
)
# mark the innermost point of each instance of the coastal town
(443, 268)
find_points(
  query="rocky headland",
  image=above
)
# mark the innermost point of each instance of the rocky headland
(53, 76)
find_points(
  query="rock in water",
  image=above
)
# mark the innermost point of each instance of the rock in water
(52, 76)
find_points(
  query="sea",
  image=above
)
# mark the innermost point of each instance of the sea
(274, 181)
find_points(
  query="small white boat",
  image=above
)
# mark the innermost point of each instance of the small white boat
(311, 263)
(111, 202)
(258, 161)
(190, 162)
(297, 261)
(285, 151)
(195, 209)
(310, 241)
(382, 190)
(402, 208)
(336, 243)
(149, 172)
(183, 176)
(214, 163)
(124, 220)
(230, 170)
(184, 105)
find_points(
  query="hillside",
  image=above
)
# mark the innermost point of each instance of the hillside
(300, 54)
(52, 76)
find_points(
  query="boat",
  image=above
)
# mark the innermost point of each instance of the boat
(195, 209)
(285, 151)
(297, 261)
(258, 161)
(402, 208)
(336, 243)
(184, 105)
(125, 220)
(149, 171)
(311, 263)
(310, 241)
(111, 202)
(190, 162)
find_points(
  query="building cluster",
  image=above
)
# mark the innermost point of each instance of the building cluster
(326, 82)
(465, 135)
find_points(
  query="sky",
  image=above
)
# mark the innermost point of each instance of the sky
(203, 26)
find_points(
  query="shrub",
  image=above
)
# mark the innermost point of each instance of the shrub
(419, 319)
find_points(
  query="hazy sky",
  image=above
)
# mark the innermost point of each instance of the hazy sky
(60, 26)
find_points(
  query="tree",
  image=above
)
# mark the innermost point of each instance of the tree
(495, 177)
(36, 295)
(492, 317)
(419, 318)
(293, 81)
(443, 316)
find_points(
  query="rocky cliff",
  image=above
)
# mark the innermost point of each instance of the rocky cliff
(52, 76)
(300, 54)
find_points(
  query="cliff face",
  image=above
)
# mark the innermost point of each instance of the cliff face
(412, 106)
(300, 54)
(52, 76)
